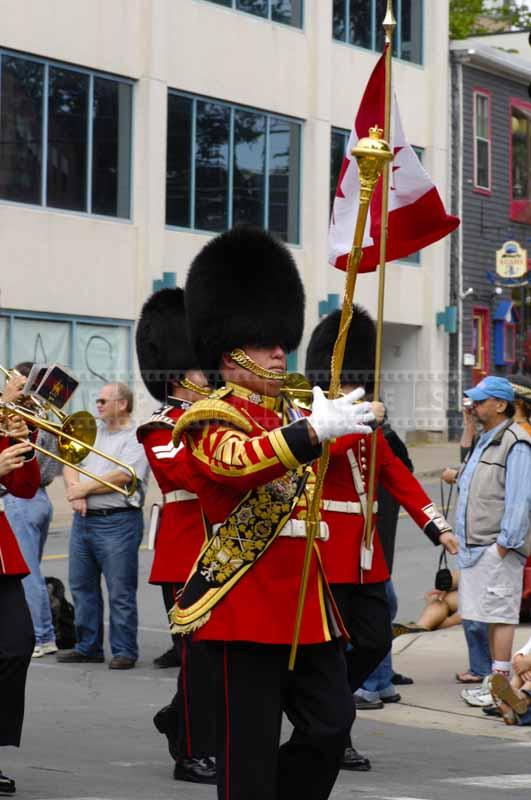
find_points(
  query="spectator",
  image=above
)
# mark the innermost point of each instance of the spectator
(522, 402)
(442, 611)
(476, 633)
(492, 518)
(513, 698)
(106, 534)
(30, 520)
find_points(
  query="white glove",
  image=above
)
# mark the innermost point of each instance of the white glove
(331, 418)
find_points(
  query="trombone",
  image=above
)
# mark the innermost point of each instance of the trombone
(76, 435)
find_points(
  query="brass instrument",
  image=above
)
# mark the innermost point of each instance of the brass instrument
(76, 435)
(298, 388)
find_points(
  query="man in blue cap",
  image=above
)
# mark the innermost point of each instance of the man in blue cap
(493, 518)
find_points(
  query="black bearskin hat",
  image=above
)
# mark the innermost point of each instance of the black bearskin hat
(243, 288)
(162, 346)
(360, 350)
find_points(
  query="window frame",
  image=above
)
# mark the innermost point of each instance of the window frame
(397, 40)
(269, 17)
(233, 108)
(518, 207)
(481, 367)
(481, 92)
(92, 74)
(12, 314)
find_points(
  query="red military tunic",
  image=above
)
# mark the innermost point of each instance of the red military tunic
(226, 464)
(341, 553)
(181, 533)
(22, 482)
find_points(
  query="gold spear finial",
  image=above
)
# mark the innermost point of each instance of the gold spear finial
(389, 23)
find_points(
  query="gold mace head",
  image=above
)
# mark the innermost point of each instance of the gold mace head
(372, 153)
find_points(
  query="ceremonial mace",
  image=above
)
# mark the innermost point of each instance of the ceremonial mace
(372, 154)
(389, 25)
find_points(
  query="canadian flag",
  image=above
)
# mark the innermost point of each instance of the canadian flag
(417, 216)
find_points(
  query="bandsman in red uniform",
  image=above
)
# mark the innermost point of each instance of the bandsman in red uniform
(19, 474)
(358, 576)
(170, 373)
(249, 455)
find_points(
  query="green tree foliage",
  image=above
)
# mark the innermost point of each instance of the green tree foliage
(468, 17)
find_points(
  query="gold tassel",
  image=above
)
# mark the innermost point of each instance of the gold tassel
(177, 627)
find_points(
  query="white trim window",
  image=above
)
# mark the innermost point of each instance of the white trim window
(482, 141)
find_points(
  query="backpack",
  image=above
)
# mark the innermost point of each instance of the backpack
(62, 614)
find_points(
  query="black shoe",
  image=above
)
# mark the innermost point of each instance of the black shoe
(367, 705)
(355, 762)
(7, 785)
(75, 657)
(492, 711)
(168, 659)
(401, 680)
(165, 721)
(195, 770)
(394, 698)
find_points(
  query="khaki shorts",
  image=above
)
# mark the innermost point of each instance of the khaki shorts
(491, 590)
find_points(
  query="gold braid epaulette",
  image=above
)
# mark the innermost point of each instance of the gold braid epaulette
(213, 409)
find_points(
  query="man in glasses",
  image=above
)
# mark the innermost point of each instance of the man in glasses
(493, 517)
(106, 534)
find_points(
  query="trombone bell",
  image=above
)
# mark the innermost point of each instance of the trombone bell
(81, 426)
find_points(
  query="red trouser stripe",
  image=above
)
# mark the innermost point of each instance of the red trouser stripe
(227, 724)
(184, 671)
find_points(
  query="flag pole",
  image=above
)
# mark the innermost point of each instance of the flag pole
(371, 153)
(389, 25)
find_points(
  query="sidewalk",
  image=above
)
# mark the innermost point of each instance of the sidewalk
(434, 700)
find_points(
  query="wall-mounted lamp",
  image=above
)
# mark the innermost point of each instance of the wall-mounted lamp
(467, 293)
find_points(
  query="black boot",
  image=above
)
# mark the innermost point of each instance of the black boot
(168, 660)
(165, 721)
(195, 770)
(355, 762)
(7, 785)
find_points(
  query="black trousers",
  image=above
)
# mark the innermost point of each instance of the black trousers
(193, 706)
(366, 617)
(168, 597)
(17, 641)
(254, 687)
(365, 613)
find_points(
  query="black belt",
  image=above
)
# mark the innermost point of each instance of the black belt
(106, 512)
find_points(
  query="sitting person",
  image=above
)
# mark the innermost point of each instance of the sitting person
(441, 611)
(513, 697)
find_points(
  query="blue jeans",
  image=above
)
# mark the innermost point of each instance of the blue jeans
(477, 639)
(30, 521)
(106, 546)
(379, 683)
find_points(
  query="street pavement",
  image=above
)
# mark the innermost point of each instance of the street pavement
(89, 732)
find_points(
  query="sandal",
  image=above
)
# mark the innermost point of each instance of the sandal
(503, 692)
(467, 677)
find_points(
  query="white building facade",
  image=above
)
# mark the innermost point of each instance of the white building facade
(132, 130)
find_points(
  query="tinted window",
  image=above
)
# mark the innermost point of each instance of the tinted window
(111, 148)
(178, 160)
(211, 166)
(67, 139)
(284, 179)
(21, 130)
(249, 168)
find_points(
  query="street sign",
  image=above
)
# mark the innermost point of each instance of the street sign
(511, 260)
